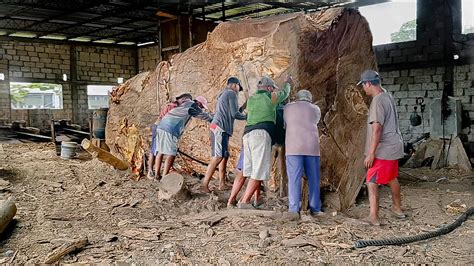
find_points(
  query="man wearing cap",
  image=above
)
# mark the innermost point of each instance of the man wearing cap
(258, 133)
(384, 145)
(179, 99)
(302, 152)
(222, 127)
(171, 127)
(153, 149)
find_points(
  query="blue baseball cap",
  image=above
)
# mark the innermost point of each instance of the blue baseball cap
(368, 75)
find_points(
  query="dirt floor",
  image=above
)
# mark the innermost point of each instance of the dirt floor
(61, 200)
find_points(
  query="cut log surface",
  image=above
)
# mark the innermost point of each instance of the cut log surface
(7, 212)
(324, 52)
(104, 155)
(173, 186)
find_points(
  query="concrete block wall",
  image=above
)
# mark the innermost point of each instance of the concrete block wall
(105, 64)
(406, 80)
(35, 61)
(407, 86)
(421, 68)
(100, 66)
(148, 58)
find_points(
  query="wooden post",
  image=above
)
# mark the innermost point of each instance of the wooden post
(100, 143)
(190, 23)
(73, 84)
(90, 127)
(53, 132)
(180, 37)
(160, 45)
(223, 10)
(103, 155)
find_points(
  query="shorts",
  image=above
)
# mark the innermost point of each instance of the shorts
(219, 142)
(258, 154)
(240, 162)
(382, 171)
(165, 143)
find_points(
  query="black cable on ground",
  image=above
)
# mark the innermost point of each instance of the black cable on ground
(192, 158)
(405, 240)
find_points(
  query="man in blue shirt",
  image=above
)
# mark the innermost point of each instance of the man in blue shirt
(171, 127)
(222, 127)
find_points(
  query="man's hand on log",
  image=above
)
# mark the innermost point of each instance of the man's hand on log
(243, 107)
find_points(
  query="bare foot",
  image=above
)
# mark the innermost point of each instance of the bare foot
(398, 213)
(224, 187)
(150, 176)
(205, 189)
(231, 202)
(371, 221)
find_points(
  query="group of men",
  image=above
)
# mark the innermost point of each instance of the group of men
(301, 142)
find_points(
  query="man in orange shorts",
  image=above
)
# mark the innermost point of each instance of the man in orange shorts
(384, 145)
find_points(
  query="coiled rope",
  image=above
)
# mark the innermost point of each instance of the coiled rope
(409, 239)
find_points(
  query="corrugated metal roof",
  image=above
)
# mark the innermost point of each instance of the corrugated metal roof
(130, 21)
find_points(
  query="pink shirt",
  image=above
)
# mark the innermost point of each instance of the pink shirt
(301, 121)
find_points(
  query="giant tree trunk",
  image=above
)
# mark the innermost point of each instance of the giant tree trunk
(324, 52)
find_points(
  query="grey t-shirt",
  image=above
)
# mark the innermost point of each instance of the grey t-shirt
(227, 110)
(383, 110)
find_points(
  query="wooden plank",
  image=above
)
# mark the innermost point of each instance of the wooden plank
(180, 36)
(33, 135)
(103, 155)
(170, 48)
(76, 131)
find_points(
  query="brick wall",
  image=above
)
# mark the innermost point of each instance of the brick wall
(34, 62)
(148, 58)
(100, 66)
(421, 68)
(47, 62)
(105, 64)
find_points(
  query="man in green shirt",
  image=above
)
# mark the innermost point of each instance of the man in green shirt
(261, 118)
